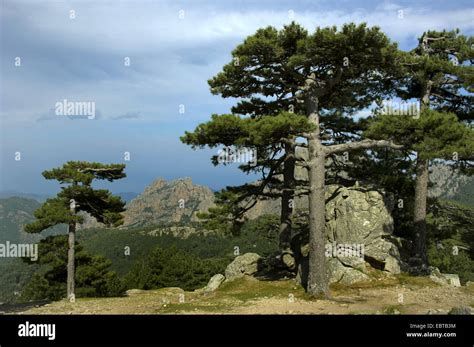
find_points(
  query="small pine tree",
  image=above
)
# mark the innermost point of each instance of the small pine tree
(93, 277)
(78, 195)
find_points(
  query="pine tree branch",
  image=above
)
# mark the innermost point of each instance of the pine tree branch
(435, 38)
(452, 81)
(89, 169)
(367, 143)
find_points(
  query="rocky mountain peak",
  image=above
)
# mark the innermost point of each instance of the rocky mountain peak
(164, 202)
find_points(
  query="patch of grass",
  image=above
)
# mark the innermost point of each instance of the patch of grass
(381, 280)
(419, 281)
(248, 288)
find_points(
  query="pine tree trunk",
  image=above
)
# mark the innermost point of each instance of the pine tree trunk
(317, 276)
(421, 195)
(70, 262)
(421, 191)
(71, 269)
(287, 198)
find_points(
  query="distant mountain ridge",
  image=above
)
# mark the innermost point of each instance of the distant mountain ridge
(15, 212)
(4, 194)
(450, 184)
(177, 202)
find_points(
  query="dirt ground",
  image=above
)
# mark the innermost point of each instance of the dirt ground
(369, 301)
(396, 295)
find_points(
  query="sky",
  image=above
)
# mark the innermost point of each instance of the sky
(145, 65)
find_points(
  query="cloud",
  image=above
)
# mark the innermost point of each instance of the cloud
(139, 27)
(50, 115)
(128, 115)
(170, 58)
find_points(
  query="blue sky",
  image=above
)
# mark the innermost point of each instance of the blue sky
(171, 59)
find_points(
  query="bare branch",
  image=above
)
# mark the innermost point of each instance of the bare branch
(435, 38)
(367, 143)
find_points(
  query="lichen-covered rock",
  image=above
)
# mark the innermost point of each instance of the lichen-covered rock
(338, 273)
(214, 283)
(246, 264)
(453, 280)
(356, 263)
(444, 279)
(392, 265)
(362, 217)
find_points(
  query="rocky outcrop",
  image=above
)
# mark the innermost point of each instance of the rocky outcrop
(246, 264)
(359, 231)
(165, 202)
(358, 224)
(360, 217)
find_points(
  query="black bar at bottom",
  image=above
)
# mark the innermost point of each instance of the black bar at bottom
(288, 330)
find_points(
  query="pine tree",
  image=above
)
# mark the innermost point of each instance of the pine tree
(343, 70)
(78, 195)
(326, 72)
(440, 76)
(438, 80)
